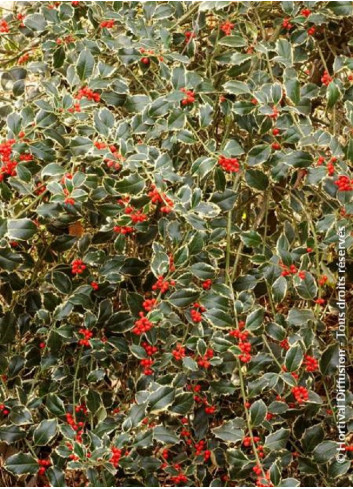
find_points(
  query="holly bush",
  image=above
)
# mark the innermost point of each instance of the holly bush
(176, 178)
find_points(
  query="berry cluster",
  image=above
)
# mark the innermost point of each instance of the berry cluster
(135, 215)
(147, 363)
(200, 447)
(323, 279)
(227, 27)
(87, 335)
(43, 465)
(196, 312)
(116, 456)
(142, 325)
(108, 24)
(286, 24)
(284, 344)
(189, 97)
(149, 304)
(259, 448)
(66, 39)
(4, 26)
(86, 92)
(230, 165)
(301, 394)
(78, 267)
(115, 164)
(291, 270)
(158, 198)
(149, 349)
(306, 12)
(123, 229)
(8, 167)
(163, 285)
(207, 284)
(23, 59)
(344, 184)
(75, 108)
(179, 352)
(76, 426)
(204, 361)
(276, 146)
(311, 364)
(189, 35)
(4, 410)
(326, 79)
(244, 345)
(179, 479)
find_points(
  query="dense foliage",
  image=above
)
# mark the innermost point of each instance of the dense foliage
(175, 178)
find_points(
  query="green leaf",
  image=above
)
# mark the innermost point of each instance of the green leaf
(258, 412)
(276, 331)
(325, 451)
(11, 434)
(56, 477)
(333, 94)
(85, 64)
(132, 184)
(277, 440)
(14, 122)
(341, 9)
(306, 287)
(22, 229)
(205, 115)
(35, 22)
(183, 298)
(62, 282)
(203, 166)
(279, 289)
(255, 319)
(183, 403)
(225, 200)
(190, 364)
(236, 87)
(80, 145)
(294, 358)
(161, 399)
(329, 360)
(20, 415)
(229, 431)
(259, 154)
(202, 271)
(256, 179)
(251, 238)
(336, 469)
(285, 52)
(8, 328)
(298, 159)
(160, 263)
(312, 437)
(299, 317)
(275, 473)
(218, 318)
(164, 435)
(55, 405)
(45, 432)
(233, 148)
(8, 260)
(21, 464)
(234, 41)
